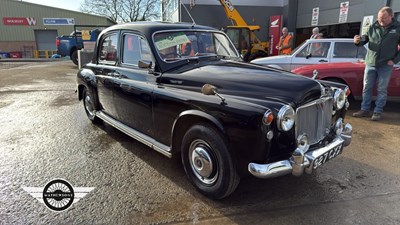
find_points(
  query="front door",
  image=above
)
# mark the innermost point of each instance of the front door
(134, 86)
(312, 53)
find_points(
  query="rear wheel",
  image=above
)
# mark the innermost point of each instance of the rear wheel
(74, 57)
(90, 106)
(208, 162)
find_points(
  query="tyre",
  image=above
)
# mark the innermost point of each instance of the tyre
(74, 57)
(89, 106)
(208, 162)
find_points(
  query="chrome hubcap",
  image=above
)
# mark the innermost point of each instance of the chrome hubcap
(89, 106)
(203, 162)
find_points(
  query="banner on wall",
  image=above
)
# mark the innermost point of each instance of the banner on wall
(58, 21)
(275, 27)
(19, 21)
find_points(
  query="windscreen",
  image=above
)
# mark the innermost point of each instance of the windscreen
(178, 45)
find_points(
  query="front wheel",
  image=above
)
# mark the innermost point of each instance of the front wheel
(208, 162)
(90, 106)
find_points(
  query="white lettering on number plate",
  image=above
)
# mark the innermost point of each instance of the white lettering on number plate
(328, 155)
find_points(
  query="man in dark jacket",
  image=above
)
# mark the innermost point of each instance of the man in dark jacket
(383, 37)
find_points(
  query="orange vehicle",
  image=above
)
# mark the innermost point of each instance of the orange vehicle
(243, 35)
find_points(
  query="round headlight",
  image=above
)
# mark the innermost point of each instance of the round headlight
(339, 99)
(286, 118)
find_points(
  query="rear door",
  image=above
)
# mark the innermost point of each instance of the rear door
(105, 71)
(347, 52)
(394, 84)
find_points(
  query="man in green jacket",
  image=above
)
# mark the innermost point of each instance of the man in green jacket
(383, 37)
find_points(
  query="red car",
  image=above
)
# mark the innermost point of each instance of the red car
(351, 74)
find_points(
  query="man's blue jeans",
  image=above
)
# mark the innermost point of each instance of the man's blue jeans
(381, 76)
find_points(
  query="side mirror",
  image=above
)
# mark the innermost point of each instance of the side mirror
(144, 64)
(208, 89)
(308, 55)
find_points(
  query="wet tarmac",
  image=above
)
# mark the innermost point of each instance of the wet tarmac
(44, 135)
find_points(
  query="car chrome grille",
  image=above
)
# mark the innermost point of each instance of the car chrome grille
(314, 119)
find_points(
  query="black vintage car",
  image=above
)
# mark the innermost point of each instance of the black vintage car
(183, 89)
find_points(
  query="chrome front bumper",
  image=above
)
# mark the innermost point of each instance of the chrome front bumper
(299, 162)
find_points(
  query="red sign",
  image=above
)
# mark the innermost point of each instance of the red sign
(275, 27)
(24, 21)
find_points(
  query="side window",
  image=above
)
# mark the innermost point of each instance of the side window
(135, 49)
(320, 49)
(316, 49)
(346, 50)
(304, 52)
(108, 49)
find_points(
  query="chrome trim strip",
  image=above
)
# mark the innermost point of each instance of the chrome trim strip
(151, 142)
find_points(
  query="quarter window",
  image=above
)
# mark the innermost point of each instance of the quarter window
(108, 49)
(135, 48)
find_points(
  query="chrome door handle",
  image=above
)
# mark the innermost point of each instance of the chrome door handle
(114, 74)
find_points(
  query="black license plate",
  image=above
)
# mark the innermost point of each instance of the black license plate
(330, 154)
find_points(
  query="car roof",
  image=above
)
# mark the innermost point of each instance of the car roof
(332, 39)
(149, 27)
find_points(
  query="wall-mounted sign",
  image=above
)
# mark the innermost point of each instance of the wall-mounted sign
(315, 16)
(21, 21)
(58, 21)
(367, 21)
(344, 11)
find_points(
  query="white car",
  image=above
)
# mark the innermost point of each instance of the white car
(316, 51)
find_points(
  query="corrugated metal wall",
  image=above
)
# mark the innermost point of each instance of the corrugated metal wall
(9, 8)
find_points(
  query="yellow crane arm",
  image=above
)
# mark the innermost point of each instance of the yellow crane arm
(232, 13)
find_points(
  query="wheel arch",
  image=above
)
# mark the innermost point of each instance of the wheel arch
(86, 79)
(342, 81)
(72, 50)
(187, 119)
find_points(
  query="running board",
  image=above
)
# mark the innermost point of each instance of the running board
(149, 141)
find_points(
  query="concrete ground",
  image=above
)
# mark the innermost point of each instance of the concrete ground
(45, 135)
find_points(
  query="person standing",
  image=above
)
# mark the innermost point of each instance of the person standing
(316, 34)
(383, 37)
(285, 42)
